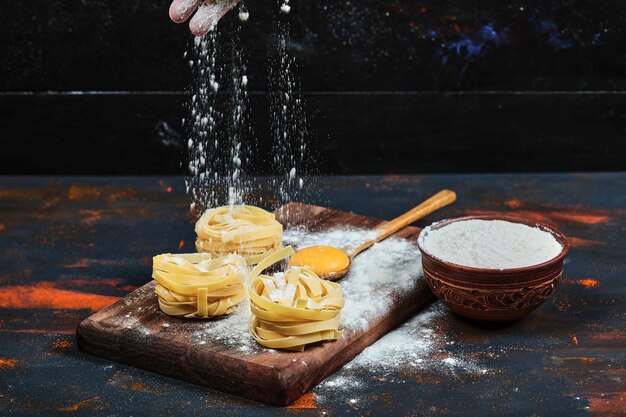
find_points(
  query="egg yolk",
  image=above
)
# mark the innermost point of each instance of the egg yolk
(323, 260)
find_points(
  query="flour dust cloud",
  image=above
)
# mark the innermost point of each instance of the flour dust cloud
(221, 143)
(217, 124)
(288, 117)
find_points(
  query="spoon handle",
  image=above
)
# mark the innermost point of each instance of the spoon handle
(434, 203)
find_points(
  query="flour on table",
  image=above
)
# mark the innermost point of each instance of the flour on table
(421, 345)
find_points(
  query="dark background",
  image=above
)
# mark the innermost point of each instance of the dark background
(98, 86)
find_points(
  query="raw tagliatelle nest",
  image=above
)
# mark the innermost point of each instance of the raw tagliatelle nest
(246, 230)
(293, 309)
(196, 285)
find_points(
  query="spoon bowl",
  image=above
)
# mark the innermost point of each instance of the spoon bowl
(333, 263)
(327, 262)
(337, 275)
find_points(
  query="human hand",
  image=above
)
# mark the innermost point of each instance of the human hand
(208, 13)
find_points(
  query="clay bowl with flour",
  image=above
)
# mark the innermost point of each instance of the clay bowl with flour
(494, 295)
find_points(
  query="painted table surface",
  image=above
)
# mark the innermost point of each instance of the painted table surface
(71, 246)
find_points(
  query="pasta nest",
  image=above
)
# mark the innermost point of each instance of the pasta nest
(196, 285)
(246, 230)
(293, 309)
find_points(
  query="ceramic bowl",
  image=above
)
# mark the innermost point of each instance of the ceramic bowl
(494, 295)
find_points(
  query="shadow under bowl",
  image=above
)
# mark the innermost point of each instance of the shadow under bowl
(495, 295)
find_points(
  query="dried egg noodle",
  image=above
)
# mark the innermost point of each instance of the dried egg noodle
(293, 309)
(197, 286)
(246, 230)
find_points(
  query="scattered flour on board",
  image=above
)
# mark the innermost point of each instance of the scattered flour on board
(231, 331)
(390, 267)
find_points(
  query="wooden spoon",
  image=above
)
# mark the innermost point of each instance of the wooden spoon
(335, 263)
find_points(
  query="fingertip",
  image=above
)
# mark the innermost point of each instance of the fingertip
(208, 15)
(175, 14)
(199, 29)
(181, 10)
(203, 21)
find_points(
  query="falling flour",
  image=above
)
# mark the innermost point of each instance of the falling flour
(219, 134)
(491, 244)
(288, 120)
(244, 14)
(217, 123)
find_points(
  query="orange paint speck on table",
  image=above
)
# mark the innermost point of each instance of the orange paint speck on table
(81, 263)
(611, 403)
(43, 331)
(7, 363)
(308, 400)
(62, 344)
(82, 192)
(77, 406)
(46, 295)
(91, 217)
(550, 216)
(588, 282)
(583, 218)
(513, 203)
(580, 242)
(137, 386)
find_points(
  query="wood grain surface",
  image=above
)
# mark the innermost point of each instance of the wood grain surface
(134, 331)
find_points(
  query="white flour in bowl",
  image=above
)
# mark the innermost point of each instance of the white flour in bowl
(491, 244)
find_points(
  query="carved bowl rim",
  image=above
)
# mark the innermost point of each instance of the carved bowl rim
(474, 271)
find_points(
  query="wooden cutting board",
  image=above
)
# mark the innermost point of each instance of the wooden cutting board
(135, 332)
